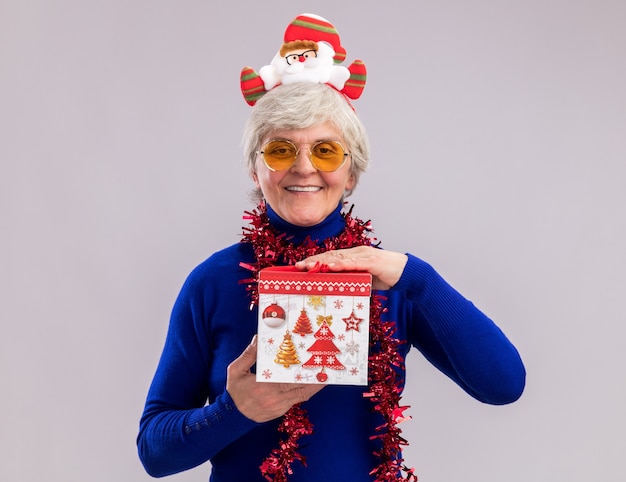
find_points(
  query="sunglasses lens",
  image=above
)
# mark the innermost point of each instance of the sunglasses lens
(327, 156)
(279, 155)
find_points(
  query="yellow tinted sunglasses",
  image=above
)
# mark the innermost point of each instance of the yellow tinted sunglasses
(326, 156)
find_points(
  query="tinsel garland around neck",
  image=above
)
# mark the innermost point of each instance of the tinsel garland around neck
(273, 248)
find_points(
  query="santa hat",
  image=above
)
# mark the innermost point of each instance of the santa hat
(308, 26)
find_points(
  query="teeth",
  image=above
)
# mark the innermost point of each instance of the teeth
(303, 188)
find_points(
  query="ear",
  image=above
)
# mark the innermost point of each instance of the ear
(255, 179)
(351, 183)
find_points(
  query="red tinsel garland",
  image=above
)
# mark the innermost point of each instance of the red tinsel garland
(273, 248)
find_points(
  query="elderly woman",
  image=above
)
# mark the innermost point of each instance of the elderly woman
(306, 149)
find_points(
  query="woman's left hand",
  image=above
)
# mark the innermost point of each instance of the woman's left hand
(385, 266)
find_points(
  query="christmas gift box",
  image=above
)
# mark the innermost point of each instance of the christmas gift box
(313, 327)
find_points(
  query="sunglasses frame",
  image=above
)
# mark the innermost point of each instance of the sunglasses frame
(262, 152)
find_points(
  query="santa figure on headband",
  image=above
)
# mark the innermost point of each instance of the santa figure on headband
(311, 52)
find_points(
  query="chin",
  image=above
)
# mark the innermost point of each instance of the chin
(305, 220)
(306, 223)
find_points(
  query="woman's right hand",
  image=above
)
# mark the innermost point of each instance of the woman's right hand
(262, 401)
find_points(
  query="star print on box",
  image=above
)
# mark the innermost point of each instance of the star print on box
(300, 343)
(352, 322)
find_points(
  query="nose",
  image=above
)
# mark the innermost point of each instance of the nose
(301, 58)
(303, 164)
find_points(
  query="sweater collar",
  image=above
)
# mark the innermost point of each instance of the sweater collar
(329, 227)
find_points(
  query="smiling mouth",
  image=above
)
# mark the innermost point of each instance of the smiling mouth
(303, 188)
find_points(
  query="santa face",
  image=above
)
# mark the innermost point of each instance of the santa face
(305, 64)
(299, 56)
(302, 195)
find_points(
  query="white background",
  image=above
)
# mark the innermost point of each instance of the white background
(498, 133)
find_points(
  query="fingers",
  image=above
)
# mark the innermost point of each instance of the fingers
(244, 362)
(297, 393)
(385, 266)
(305, 392)
(262, 401)
(352, 259)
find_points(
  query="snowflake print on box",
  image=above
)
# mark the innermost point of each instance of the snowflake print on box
(313, 326)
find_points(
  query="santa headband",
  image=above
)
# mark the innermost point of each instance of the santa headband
(311, 52)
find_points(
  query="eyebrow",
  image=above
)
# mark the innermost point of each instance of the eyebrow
(321, 139)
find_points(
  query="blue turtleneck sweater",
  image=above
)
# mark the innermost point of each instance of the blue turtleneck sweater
(189, 417)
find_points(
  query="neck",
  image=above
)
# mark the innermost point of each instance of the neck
(329, 227)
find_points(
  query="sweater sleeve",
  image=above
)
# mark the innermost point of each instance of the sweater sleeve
(178, 429)
(458, 338)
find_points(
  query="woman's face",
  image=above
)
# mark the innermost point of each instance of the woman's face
(301, 194)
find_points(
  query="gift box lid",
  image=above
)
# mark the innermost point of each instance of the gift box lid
(290, 280)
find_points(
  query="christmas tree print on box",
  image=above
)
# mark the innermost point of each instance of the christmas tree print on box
(313, 327)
